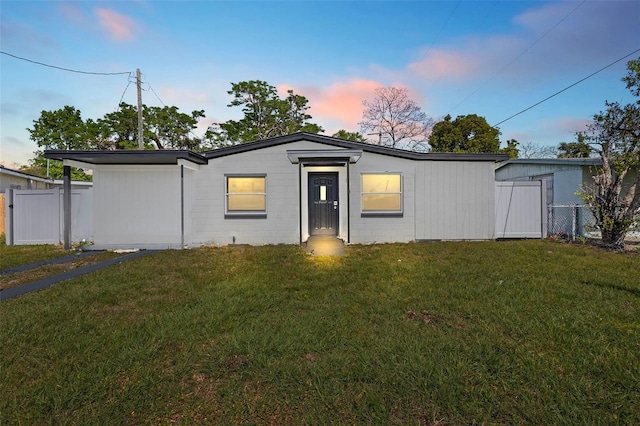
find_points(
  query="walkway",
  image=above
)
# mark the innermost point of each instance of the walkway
(12, 292)
(320, 245)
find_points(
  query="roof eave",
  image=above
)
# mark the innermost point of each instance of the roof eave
(145, 157)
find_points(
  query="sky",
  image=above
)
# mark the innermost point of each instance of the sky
(490, 58)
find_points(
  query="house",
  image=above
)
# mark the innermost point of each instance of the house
(14, 179)
(284, 190)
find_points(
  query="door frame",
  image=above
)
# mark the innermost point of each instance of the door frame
(304, 169)
(335, 212)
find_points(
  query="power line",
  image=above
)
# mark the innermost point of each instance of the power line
(518, 57)
(567, 88)
(65, 69)
(424, 54)
(154, 92)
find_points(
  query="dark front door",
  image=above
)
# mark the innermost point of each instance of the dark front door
(323, 204)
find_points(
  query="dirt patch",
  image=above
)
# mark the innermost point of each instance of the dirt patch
(20, 278)
(423, 316)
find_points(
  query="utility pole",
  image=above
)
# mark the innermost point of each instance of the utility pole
(139, 84)
(379, 136)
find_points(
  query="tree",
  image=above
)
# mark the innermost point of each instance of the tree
(349, 136)
(163, 128)
(396, 119)
(266, 115)
(467, 133)
(511, 149)
(614, 134)
(577, 149)
(60, 129)
(533, 150)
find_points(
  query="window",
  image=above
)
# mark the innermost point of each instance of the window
(381, 194)
(246, 196)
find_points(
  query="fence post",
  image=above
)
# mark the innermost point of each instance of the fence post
(574, 225)
(67, 206)
(9, 238)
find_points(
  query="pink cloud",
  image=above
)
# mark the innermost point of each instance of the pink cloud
(340, 104)
(571, 125)
(119, 27)
(439, 63)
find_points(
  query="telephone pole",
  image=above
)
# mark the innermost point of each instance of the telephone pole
(139, 84)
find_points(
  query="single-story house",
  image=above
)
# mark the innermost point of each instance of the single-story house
(284, 190)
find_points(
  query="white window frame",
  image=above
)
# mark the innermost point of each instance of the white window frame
(381, 213)
(244, 214)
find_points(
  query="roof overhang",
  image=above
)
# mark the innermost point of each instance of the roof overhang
(553, 162)
(323, 156)
(144, 157)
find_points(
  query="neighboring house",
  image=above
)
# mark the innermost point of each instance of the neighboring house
(14, 179)
(29, 185)
(563, 177)
(284, 190)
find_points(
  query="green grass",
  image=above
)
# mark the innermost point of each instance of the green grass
(11, 256)
(518, 332)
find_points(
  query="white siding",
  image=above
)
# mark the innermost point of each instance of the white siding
(455, 201)
(137, 206)
(383, 229)
(282, 224)
(140, 206)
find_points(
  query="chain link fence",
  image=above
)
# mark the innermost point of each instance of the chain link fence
(571, 221)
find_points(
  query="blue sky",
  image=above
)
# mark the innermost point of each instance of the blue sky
(455, 57)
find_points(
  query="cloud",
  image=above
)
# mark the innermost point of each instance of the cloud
(72, 13)
(179, 96)
(558, 38)
(570, 125)
(119, 27)
(24, 38)
(339, 104)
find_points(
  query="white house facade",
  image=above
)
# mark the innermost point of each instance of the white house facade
(284, 190)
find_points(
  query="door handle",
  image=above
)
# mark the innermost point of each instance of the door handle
(335, 205)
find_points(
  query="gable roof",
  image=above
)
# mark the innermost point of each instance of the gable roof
(341, 143)
(150, 157)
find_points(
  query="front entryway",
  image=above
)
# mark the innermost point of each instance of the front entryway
(323, 204)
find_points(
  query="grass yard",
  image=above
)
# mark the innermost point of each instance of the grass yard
(514, 332)
(11, 256)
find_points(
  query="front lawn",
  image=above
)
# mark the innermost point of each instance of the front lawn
(515, 332)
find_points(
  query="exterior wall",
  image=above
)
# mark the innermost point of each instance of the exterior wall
(567, 179)
(441, 199)
(383, 229)
(565, 185)
(137, 206)
(154, 207)
(455, 201)
(8, 181)
(282, 224)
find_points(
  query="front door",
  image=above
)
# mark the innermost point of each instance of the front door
(323, 204)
